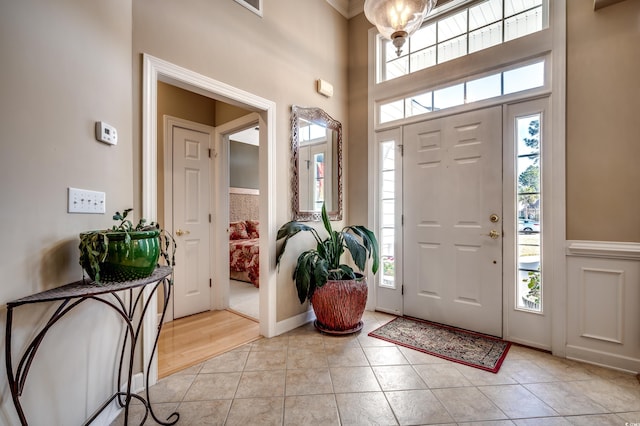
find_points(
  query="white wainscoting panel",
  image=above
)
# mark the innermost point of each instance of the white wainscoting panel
(603, 309)
(601, 304)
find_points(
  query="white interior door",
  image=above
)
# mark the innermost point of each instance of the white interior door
(191, 169)
(452, 177)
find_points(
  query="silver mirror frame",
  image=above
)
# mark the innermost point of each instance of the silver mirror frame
(319, 116)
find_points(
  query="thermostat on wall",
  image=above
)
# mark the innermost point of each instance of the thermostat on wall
(106, 133)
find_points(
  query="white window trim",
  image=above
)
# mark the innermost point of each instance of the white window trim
(498, 100)
(256, 10)
(552, 41)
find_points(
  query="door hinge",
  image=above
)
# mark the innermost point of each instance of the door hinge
(401, 220)
(401, 146)
(209, 282)
(209, 152)
(402, 289)
(209, 217)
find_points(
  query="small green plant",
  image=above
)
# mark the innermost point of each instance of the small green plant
(126, 225)
(533, 284)
(94, 245)
(314, 267)
(388, 266)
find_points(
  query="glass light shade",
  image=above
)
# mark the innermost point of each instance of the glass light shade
(396, 20)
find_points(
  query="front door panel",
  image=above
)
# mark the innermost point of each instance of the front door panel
(452, 179)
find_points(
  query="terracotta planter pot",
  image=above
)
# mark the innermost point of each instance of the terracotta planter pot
(339, 306)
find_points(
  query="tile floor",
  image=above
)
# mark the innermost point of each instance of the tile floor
(305, 378)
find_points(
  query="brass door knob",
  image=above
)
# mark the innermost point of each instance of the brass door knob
(180, 232)
(494, 234)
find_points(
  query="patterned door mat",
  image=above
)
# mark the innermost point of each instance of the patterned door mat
(450, 343)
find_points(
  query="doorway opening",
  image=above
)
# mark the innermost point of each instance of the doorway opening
(156, 70)
(244, 209)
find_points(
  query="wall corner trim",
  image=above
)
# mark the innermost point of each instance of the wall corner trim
(604, 249)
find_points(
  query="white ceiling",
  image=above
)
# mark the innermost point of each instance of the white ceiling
(250, 136)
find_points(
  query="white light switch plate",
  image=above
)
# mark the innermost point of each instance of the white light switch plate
(86, 201)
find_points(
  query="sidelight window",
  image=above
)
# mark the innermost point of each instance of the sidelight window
(528, 211)
(387, 213)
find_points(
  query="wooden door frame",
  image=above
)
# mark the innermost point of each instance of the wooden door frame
(168, 123)
(154, 70)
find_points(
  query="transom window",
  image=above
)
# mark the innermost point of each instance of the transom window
(502, 83)
(479, 26)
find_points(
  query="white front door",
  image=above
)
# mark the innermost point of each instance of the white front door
(452, 188)
(191, 217)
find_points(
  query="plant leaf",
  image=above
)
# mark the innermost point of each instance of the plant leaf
(287, 231)
(325, 220)
(347, 272)
(320, 274)
(357, 250)
(370, 243)
(290, 229)
(303, 274)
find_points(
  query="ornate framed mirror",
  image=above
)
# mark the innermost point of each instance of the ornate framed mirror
(316, 160)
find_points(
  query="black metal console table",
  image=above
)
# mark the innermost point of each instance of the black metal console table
(70, 296)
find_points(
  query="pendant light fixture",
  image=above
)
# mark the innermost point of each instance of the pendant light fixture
(396, 20)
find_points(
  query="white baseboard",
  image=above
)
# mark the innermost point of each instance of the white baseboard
(294, 322)
(113, 410)
(386, 311)
(604, 359)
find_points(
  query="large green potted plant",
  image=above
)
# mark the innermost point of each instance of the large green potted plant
(124, 252)
(337, 293)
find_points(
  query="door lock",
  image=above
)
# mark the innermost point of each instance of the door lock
(494, 218)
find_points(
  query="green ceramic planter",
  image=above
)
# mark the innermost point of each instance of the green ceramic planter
(128, 261)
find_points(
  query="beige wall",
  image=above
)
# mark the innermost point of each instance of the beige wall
(226, 113)
(243, 165)
(603, 104)
(357, 165)
(65, 65)
(277, 57)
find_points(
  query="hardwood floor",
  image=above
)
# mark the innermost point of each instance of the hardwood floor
(191, 340)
